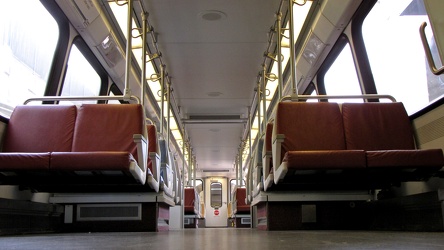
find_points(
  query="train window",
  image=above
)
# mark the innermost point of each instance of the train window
(341, 77)
(114, 91)
(311, 90)
(81, 78)
(198, 182)
(216, 194)
(233, 182)
(28, 39)
(396, 55)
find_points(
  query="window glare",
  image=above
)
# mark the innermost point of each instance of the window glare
(26, 51)
(396, 53)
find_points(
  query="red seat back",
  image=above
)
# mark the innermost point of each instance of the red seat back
(309, 126)
(377, 126)
(42, 128)
(268, 134)
(108, 127)
(189, 200)
(241, 194)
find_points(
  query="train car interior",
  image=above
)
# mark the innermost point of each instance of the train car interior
(222, 123)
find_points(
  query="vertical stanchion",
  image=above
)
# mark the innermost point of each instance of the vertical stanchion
(249, 131)
(182, 196)
(127, 91)
(249, 183)
(190, 167)
(237, 169)
(240, 165)
(264, 98)
(143, 77)
(279, 54)
(292, 52)
(194, 171)
(259, 106)
(162, 98)
(168, 100)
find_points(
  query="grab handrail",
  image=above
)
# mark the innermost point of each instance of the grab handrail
(428, 52)
(83, 98)
(318, 97)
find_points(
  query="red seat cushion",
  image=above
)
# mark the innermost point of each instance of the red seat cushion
(24, 161)
(326, 159)
(405, 158)
(91, 161)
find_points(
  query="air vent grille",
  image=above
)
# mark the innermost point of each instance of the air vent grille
(214, 117)
(202, 119)
(109, 212)
(215, 170)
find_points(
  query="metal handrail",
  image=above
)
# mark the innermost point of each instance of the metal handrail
(83, 98)
(318, 97)
(428, 52)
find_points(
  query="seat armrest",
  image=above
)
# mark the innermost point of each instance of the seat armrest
(266, 160)
(142, 151)
(276, 150)
(155, 159)
(3, 126)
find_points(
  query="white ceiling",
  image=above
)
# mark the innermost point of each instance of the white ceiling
(206, 57)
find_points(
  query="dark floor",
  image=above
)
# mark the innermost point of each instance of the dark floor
(228, 238)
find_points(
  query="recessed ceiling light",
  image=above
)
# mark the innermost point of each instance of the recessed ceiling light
(212, 15)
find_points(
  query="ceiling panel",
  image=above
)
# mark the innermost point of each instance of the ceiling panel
(213, 65)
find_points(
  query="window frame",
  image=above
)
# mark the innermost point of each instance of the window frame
(58, 63)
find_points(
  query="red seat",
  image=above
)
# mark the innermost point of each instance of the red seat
(103, 141)
(108, 127)
(242, 207)
(385, 132)
(189, 198)
(55, 147)
(43, 128)
(35, 131)
(312, 139)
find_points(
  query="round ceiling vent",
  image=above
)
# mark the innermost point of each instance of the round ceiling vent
(212, 15)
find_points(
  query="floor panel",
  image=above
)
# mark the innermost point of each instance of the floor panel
(230, 238)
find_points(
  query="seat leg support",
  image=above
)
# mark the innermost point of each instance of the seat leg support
(279, 216)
